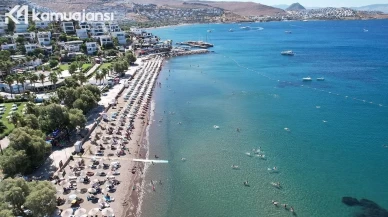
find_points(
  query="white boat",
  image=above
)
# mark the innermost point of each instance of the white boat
(365, 30)
(183, 159)
(231, 30)
(287, 53)
(287, 129)
(216, 127)
(245, 28)
(209, 30)
(276, 185)
(321, 79)
(249, 154)
(273, 170)
(288, 32)
(235, 167)
(307, 79)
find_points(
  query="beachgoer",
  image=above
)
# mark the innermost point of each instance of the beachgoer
(160, 181)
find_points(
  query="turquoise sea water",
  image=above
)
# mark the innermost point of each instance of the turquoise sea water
(334, 147)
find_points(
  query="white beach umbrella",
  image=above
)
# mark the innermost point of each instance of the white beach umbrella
(94, 211)
(80, 212)
(92, 190)
(67, 212)
(72, 197)
(62, 183)
(107, 212)
(85, 215)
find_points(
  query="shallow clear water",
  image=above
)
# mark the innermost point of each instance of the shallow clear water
(334, 147)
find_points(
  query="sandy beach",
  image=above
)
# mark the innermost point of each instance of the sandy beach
(105, 178)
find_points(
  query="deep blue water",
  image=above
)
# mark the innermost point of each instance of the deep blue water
(334, 147)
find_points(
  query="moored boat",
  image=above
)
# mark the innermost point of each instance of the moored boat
(307, 79)
(287, 53)
(321, 79)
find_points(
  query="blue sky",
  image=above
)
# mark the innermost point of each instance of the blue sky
(321, 3)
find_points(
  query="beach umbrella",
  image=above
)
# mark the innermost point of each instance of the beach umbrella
(83, 215)
(62, 183)
(67, 212)
(80, 212)
(107, 212)
(72, 197)
(92, 190)
(94, 211)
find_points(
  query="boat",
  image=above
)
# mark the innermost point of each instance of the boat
(246, 183)
(276, 184)
(183, 159)
(273, 170)
(305, 20)
(245, 28)
(307, 79)
(209, 30)
(287, 53)
(321, 79)
(365, 30)
(235, 167)
(216, 127)
(288, 32)
(231, 30)
(249, 154)
(287, 129)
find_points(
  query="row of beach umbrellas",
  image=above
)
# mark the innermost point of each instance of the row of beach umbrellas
(81, 212)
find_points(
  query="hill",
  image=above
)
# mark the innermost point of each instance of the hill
(281, 6)
(375, 7)
(245, 8)
(295, 7)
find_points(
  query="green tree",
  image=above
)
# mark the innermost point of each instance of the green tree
(53, 63)
(42, 77)
(32, 141)
(31, 121)
(11, 26)
(34, 78)
(22, 80)
(9, 80)
(2, 127)
(129, 57)
(15, 119)
(14, 192)
(13, 162)
(53, 117)
(42, 198)
(82, 78)
(76, 118)
(53, 78)
(73, 67)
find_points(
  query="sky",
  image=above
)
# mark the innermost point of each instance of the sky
(320, 3)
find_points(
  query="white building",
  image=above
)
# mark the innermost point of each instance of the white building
(73, 46)
(3, 26)
(104, 40)
(68, 27)
(8, 46)
(82, 33)
(30, 47)
(29, 36)
(84, 25)
(136, 31)
(114, 27)
(44, 38)
(42, 24)
(91, 47)
(120, 37)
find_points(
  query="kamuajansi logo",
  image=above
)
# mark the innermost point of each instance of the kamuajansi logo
(21, 11)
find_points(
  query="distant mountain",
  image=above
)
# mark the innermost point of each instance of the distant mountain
(375, 7)
(283, 7)
(295, 7)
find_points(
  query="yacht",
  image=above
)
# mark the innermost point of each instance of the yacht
(307, 79)
(235, 167)
(245, 28)
(287, 53)
(209, 30)
(321, 79)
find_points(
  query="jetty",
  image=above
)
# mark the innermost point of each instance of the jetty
(197, 44)
(190, 52)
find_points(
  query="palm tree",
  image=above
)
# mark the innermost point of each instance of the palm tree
(82, 78)
(109, 69)
(41, 78)
(53, 78)
(33, 79)
(9, 79)
(17, 79)
(104, 72)
(22, 80)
